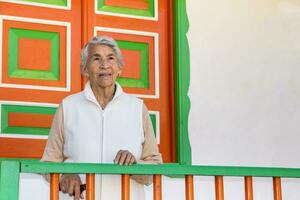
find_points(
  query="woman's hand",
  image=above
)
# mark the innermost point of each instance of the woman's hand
(124, 157)
(70, 183)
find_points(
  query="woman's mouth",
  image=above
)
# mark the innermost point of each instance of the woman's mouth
(104, 75)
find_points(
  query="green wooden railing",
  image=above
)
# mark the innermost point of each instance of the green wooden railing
(10, 170)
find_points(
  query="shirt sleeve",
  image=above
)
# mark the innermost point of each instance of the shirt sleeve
(54, 148)
(150, 152)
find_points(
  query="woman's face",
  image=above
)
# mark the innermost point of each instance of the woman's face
(102, 66)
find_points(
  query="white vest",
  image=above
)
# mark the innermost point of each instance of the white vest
(94, 135)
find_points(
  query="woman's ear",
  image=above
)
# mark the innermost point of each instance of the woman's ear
(85, 73)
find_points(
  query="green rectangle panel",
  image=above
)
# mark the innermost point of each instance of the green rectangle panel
(48, 2)
(6, 129)
(127, 11)
(15, 72)
(143, 48)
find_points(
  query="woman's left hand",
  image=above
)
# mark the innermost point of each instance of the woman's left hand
(124, 157)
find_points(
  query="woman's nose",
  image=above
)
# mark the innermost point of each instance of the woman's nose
(104, 64)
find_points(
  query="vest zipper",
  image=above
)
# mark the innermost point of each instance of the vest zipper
(102, 148)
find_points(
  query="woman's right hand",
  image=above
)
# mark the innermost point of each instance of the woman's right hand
(70, 183)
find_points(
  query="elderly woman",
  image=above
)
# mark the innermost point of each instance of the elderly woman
(102, 124)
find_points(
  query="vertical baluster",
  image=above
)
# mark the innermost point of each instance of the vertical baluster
(157, 187)
(248, 188)
(277, 188)
(219, 188)
(54, 186)
(189, 187)
(125, 187)
(90, 186)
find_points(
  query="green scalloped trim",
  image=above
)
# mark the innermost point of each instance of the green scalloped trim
(181, 83)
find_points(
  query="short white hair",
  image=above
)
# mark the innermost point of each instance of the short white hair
(100, 40)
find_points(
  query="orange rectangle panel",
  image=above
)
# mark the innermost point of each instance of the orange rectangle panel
(21, 148)
(34, 54)
(150, 42)
(29, 120)
(29, 59)
(133, 4)
(132, 60)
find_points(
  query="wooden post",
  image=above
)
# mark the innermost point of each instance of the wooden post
(219, 188)
(125, 187)
(54, 186)
(90, 186)
(157, 187)
(277, 188)
(189, 187)
(248, 188)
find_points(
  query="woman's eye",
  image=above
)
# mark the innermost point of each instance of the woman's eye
(96, 58)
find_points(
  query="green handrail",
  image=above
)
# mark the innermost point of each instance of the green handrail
(165, 169)
(10, 169)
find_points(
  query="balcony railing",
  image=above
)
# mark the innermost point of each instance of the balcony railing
(10, 170)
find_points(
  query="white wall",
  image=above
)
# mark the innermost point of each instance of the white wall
(245, 90)
(245, 85)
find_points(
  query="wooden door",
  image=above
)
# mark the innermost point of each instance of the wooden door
(143, 31)
(40, 58)
(41, 43)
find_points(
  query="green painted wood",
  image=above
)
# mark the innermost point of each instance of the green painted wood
(48, 2)
(151, 7)
(128, 11)
(13, 53)
(20, 159)
(25, 130)
(5, 128)
(4, 118)
(181, 82)
(29, 109)
(9, 180)
(143, 48)
(15, 72)
(165, 169)
(32, 74)
(153, 120)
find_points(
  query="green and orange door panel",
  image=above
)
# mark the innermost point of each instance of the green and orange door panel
(40, 58)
